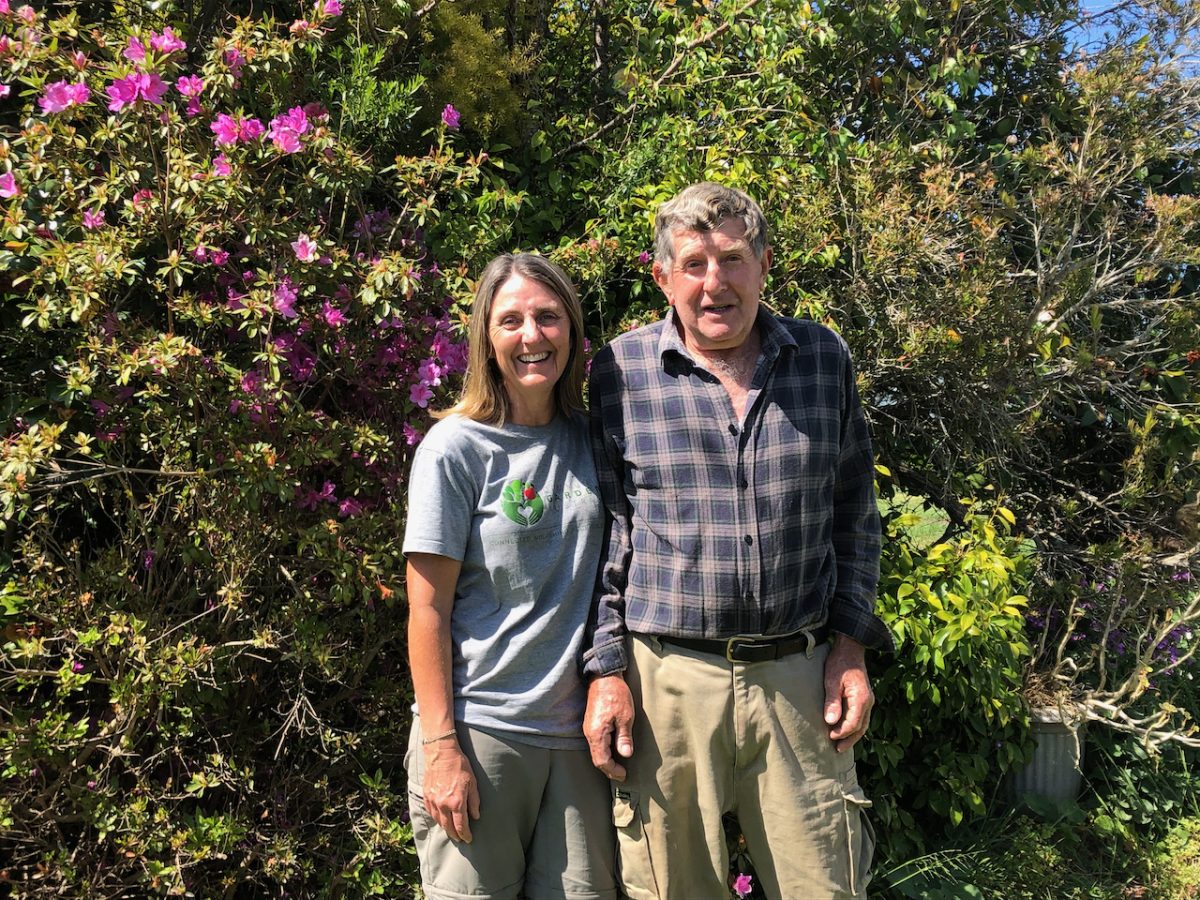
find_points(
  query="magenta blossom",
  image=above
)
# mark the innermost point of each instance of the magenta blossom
(333, 316)
(349, 508)
(135, 51)
(79, 60)
(234, 59)
(285, 299)
(26, 14)
(412, 437)
(643, 257)
(62, 94)
(142, 199)
(190, 85)
(5, 9)
(332, 8)
(305, 248)
(218, 257)
(5, 90)
(221, 165)
(167, 42)
(420, 394)
(8, 185)
(93, 219)
(230, 130)
(450, 117)
(430, 372)
(286, 129)
(743, 885)
(77, 667)
(138, 86)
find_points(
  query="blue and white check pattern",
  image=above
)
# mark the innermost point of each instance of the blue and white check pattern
(720, 527)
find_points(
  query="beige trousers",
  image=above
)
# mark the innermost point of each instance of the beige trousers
(712, 737)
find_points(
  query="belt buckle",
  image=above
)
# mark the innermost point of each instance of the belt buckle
(730, 645)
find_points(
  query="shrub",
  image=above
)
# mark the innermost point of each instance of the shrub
(949, 719)
(225, 323)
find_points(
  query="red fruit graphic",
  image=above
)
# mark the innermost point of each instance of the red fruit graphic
(529, 493)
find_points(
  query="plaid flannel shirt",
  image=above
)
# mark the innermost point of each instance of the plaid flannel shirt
(719, 527)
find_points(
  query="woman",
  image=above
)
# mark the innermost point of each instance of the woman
(503, 537)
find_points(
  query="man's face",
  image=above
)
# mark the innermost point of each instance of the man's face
(714, 283)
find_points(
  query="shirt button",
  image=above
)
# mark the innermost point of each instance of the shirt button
(745, 484)
(749, 540)
(733, 429)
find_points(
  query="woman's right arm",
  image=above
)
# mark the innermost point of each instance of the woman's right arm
(451, 793)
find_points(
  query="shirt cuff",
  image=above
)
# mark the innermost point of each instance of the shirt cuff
(864, 627)
(606, 659)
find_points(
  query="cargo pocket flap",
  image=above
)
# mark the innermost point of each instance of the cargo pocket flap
(854, 795)
(624, 808)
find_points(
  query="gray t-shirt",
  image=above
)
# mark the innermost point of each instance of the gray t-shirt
(518, 505)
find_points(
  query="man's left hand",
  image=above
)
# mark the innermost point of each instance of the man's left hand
(848, 694)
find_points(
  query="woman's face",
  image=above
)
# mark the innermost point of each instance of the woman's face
(531, 339)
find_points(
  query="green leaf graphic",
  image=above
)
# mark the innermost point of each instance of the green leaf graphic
(519, 508)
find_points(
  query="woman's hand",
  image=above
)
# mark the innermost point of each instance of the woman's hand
(451, 794)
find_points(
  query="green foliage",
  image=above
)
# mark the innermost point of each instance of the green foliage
(1022, 858)
(950, 720)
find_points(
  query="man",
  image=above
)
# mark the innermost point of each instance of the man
(735, 599)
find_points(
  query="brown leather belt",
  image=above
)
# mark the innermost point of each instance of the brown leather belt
(740, 649)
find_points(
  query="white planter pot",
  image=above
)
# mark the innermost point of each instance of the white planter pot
(1054, 773)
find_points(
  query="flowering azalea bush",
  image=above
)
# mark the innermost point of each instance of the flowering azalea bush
(233, 322)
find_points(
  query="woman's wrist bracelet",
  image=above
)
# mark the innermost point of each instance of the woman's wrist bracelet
(441, 737)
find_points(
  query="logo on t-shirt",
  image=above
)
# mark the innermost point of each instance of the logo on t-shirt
(521, 503)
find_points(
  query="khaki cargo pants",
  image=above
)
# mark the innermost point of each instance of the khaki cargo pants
(712, 737)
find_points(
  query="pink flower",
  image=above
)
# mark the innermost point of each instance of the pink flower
(743, 885)
(332, 8)
(142, 199)
(93, 219)
(26, 14)
(5, 10)
(286, 129)
(8, 185)
(230, 131)
(316, 110)
(349, 508)
(167, 42)
(305, 248)
(79, 60)
(450, 117)
(193, 108)
(138, 86)
(235, 60)
(643, 257)
(285, 299)
(225, 127)
(249, 130)
(221, 165)
(77, 667)
(300, 27)
(219, 257)
(5, 90)
(135, 52)
(190, 85)
(62, 94)
(412, 437)
(430, 372)
(420, 394)
(333, 316)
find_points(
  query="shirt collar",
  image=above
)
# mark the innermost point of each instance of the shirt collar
(774, 336)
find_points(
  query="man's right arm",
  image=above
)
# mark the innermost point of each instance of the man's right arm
(608, 721)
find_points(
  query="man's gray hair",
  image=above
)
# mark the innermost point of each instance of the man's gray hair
(703, 207)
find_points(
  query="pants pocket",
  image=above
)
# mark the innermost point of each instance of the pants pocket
(860, 839)
(635, 861)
